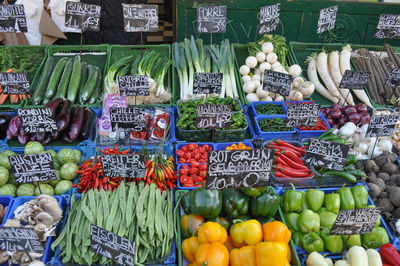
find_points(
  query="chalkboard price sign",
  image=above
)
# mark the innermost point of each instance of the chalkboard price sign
(109, 245)
(354, 80)
(388, 27)
(125, 166)
(211, 19)
(37, 120)
(140, 18)
(326, 154)
(277, 82)
(302, 115)
(207, 83)
(20, 239)
(12, 18)
(327, 19)
(133, 85)
(213, 115)
(382, 125)
(32, 167)
(82, 16)
(14, 83)
(269, 18)
(355, 222)
(394, 78)
(238, 169)
(128, 119)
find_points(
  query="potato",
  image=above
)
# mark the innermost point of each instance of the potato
(394, 196)
(385, 205)
(374, 190)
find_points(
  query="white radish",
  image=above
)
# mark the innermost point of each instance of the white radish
(260, 57)
(266, 99)
(257, 72)
(297, 82)
(246, 78)
(249, 87)
(279, 98)
(334, 69)
(345, 56)
(322, 68)
(307, 88)
(272, 58)
(244, 70)
(313, 77)
(295, 70)
(252, 97)
(251, 61)
(256, 77)
(264, 66)
(267, 47)
(275, 64)
(261, 93)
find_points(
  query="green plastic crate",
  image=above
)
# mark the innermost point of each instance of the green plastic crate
(119, 51)
(179, 193)
(91, 54)
(31, 74)
(300, 51)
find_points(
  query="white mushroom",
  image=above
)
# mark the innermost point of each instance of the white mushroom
(45, 219)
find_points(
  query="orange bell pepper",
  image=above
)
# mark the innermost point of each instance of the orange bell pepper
(213, 254)
(189, 248)
(228, 244)
(271, 254)
(276, 231)
(212, 232)
(243, 256)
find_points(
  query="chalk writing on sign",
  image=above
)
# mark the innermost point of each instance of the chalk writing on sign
(137, 85)
(394, 78)
(82, 16)
(125, 166)
(213, 115)
(269, 18)
(140, 18)
(128, 119)
(388, 27)
(12, 18)
(382, 125)
(14, 83)
(277, 82)
(32, 167)
(355, 222)
(207, 83)
(37, 120)
(302, 115)
(327, 19)
(211, 19)
(354, 80)
(20, 239)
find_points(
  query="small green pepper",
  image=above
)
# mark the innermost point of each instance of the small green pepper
(240, 206)
(360, 195)
(291, 201)
(332, 202)
(332, 243)
(308, 221)
(312, 242)
(327, 219)
(291, 221)
(297, 238)
(315, 199)
(376, 238)
(265, 205)
(346, 198)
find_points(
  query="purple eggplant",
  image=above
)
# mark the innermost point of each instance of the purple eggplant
(33, 137)
(55, 134)
(22, 132)
(66, 138)
(86, 124)
(9, 135)
(40, 137)
(4, 121)
(76, 125)
(47, 139)
(55, 105)
(14, 125)
(23, 139)
(64, 115)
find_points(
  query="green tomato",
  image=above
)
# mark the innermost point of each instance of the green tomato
(62, 187)
(68, 171)
(26, 190)
(33, 147)
(4, 175)
(45, 189)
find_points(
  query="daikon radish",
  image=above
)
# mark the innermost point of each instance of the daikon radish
(313, 77)
(322, 68)
(334, 69)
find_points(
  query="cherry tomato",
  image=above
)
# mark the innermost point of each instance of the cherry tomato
(202, 161)
(194, 164)
(183, 171)
(203, 174)
(191, 147)
(188, 155)
(182, 161)
(203, 167)
(206, 147)
(193, 171)
(180, 153)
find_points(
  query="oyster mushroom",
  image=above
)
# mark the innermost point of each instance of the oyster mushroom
(50, 205)
(37, 263)
(40, 230)
(4, 256)
(45, 218)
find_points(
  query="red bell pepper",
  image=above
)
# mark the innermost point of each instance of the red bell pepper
(390, 255)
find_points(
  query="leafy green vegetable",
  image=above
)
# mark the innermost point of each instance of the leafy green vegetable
(21, 60)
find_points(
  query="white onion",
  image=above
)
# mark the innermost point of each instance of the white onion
(272, 58)
(267, 47)
(246, 78)
(295, 70)
(251, 61)
(256, 77)
(252, 97)
(244, 70)
(260, 57)
(264, 66)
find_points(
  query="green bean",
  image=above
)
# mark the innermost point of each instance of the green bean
(140, 214)
(151, 211)
(131, 204)
(114, 208)
(158, 214)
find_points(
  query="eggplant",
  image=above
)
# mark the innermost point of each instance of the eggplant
(47, 139)
(76, 125)
(86, 124)
(33, 137)
(23, 139)
(55, 134)
(14, 126)
(66, 138)
(39, 137)
(9, 135)
(64, 115)
(22, 131)
(55, 105)
(4, 121)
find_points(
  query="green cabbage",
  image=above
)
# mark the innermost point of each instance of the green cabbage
(4, 175)
(68, 171)
(33, 147)
(66, 155)
(62, 187)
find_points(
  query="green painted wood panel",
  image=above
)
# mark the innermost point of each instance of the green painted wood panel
(356, 21)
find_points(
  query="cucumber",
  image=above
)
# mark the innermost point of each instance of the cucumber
(64, 82)
(75, 79)
(94, 97)
(55, 77)
(84, 74)
(93, 75)
(44, 79)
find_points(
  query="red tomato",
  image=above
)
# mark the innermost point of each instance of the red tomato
(193, 171)
(184, 148)
(182, 161)
(188, 155)
(202, 161)
(203, 174)
(202, 149)
(194, 164)
(191, 147)
(203, 167)
(185, 167)
(180, 153)
(196, 155)
(206, 147)
(183, 171)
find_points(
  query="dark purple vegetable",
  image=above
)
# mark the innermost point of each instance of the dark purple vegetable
(14, 125)
(55, 134)
(361, 108)
(330, 121)
(23, 139)
(365, 118)
(335, 113)
(341, 121)
(76, 125)
(4, 121)
(349, 109)
(63, 116)
(47, 139)
(22, 131)
(354, 117)
(55, 105)
(336, 106)
(9, 135)
(66, 139)
(86, 124)
(33, 137)
(40, 137)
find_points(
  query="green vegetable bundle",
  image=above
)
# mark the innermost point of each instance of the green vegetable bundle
(273, 124)
(191, 105)
(280, 47)
(188, 121)
(138, 212)
(23, 60)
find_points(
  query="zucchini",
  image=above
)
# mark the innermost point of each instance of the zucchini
(65, 78)
(44, 79)
(84, 74)
(94, 97)
(55, 77)
(93, 76)
(75, 79)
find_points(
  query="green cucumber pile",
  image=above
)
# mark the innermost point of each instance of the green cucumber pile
(68, 78)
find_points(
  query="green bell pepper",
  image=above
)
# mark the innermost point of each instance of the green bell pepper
(312, 242)
(332, 202)
(376, 238)
(221, 221)
(323, 209)
(254, 192)
(264, 220)
(304, 205)
(332, 243)
(360, 195)
(185, 203)
(242, 218)
(378, 222)
(315, 199)
(265, 205)
(297, 238)
(308, 221)
(327, 219)
(291, 221)
(346, 198)
(291, 200)
(354, 240)
(240, 206)
(204, 202)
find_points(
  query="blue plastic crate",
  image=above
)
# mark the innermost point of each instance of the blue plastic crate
(254, 112)
(6, 201)
(302, 252)
(21, 200)
(285, 135)
(313, 133)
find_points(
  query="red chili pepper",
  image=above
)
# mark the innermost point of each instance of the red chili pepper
(287, 144)
(293, 173)
(390, 254)
(292, 163)
(292, 155)
(280, 174)
(280, 161)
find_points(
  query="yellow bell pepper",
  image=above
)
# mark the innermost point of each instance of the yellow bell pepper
(271, 254)
(276, 232)
(212, 232)
(228, 244)
(249, 232)
(189, 248)
(214, 254)
(246, 256)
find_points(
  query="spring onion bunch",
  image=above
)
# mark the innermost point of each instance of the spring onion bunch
(192, 56)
